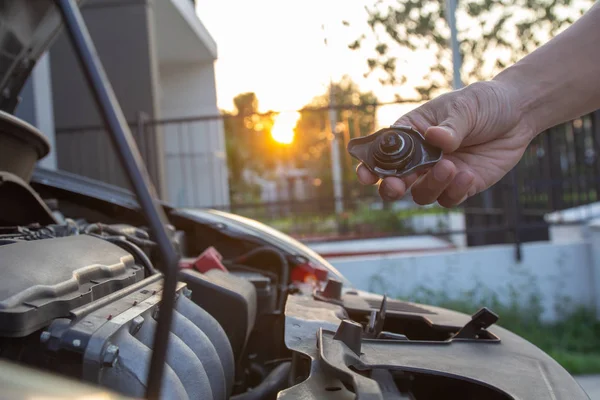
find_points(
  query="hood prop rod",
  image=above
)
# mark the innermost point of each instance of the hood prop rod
(130, 157)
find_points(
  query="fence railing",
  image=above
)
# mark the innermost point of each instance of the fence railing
(192, 162)
(559, 170)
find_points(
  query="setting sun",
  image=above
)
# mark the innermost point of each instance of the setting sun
(283, 128)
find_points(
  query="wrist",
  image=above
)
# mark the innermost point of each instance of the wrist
(526, 95)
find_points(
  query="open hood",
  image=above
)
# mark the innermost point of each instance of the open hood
(27, 29)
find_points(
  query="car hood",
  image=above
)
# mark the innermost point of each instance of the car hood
(261, 233)
(28, 28)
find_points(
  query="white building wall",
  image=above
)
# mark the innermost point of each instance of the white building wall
(195, 158)
(36, 106)
(42, 89)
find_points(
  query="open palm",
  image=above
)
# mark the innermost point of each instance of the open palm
(483, 135)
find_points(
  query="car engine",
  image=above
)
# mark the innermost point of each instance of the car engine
(82, 300)
(80, 292)
(85, 305)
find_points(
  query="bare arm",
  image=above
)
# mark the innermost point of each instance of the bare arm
(560, 81)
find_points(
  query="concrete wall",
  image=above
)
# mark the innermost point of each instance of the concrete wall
(187, 90)
(561, 274)
(120, 31)
(593, 233)
(195, 160)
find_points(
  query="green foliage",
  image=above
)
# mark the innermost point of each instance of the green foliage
(577, 363)
(248, 144)
(492, 35)
(312, 147)
(573, 341)
(365, 220)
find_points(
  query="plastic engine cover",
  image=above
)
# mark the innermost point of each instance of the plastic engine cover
(45, 279)
(231, 300)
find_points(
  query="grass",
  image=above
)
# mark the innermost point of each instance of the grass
(573, 340)
(573, 197)
(577, 363)
(363, 220)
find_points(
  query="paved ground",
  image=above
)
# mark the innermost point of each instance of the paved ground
(591, 384)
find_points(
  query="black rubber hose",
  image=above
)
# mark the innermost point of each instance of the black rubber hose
(138, 254)
(103, 228)
(259, 370)
(285, 270)
(275, 382)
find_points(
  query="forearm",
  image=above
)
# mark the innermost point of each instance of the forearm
(560, 81)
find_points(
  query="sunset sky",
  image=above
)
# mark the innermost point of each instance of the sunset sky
(276, 49)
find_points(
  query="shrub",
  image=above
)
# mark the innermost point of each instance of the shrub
(573, 340)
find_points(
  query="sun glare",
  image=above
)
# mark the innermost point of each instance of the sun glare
(283, 128)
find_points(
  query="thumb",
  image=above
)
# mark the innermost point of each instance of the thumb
(449, 134)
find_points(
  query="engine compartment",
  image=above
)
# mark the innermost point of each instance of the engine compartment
(82, 299)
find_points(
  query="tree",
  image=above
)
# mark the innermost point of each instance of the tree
(492, 35)
(312, 144)
(248, 144)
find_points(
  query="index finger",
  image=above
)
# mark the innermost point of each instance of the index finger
(365, 176)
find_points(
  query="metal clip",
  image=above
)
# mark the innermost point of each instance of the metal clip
(377, 320)
(394, 151)
(476, 328)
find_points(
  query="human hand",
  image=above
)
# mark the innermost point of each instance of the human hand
(483, 135)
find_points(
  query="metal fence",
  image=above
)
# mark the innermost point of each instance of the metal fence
(195, 172)
(559, 170)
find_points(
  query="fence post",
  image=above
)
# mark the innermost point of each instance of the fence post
(149, 151)
(549, 169)
(594, 246)
(517, 214)
(140, 132)
(596, 137)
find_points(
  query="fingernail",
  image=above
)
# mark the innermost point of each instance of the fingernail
(441, 174)
(447, 130)
(472, 192)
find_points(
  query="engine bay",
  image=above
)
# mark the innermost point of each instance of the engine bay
(82, 299)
